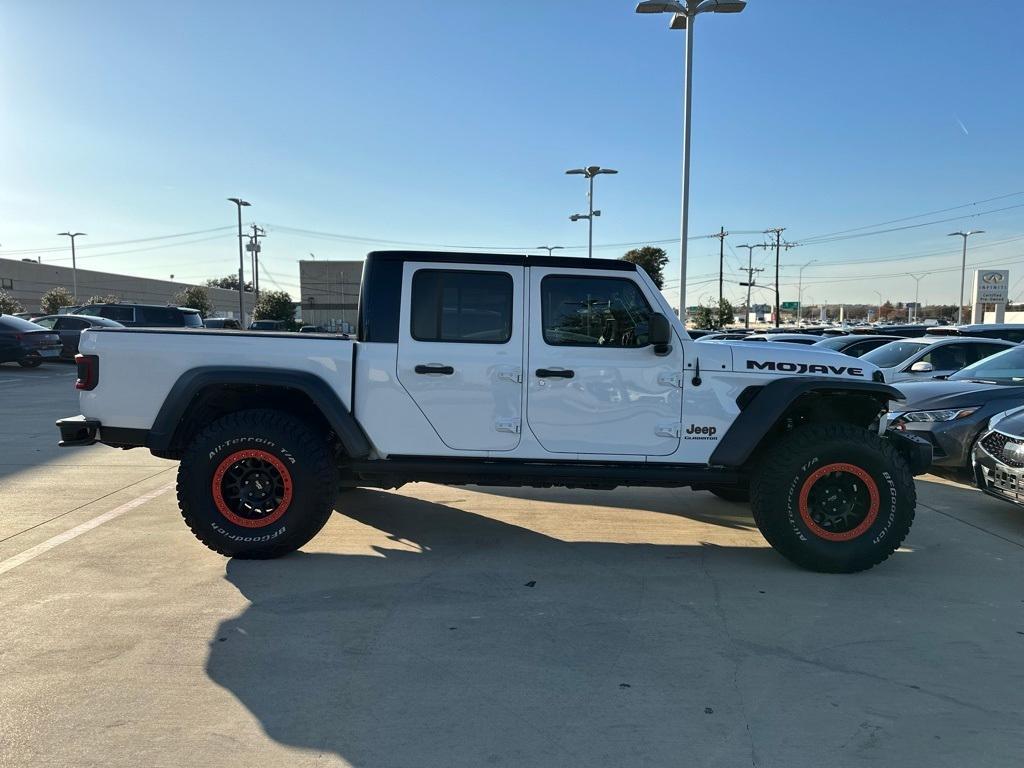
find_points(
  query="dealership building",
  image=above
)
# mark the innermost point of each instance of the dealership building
(329, 292)
(28, 280)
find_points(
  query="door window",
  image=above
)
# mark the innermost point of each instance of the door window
(46, 322)
(593, 312)
(120, 314)
(71, 324)
(158, 316)
(461, 306)
(980, 351)
(949, 357)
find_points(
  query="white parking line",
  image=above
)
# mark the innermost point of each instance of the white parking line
(61, 538)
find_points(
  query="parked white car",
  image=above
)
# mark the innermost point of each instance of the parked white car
(928, 357)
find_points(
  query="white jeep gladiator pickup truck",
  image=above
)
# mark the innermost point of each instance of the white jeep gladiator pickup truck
(503, 370)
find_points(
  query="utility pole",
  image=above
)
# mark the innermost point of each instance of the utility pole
(240, 203)
(777, 231)
(254, 250)
(750, 270)
(722, 234)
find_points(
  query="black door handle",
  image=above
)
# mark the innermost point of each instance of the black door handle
(447, 370)
(548, 373)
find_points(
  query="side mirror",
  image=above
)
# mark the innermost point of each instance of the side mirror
(922, 367)
(659, 333)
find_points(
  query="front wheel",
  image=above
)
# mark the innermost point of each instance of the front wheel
(257, 484)
(30, 362)
(833, 498)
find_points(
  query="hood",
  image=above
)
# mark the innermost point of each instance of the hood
(937, 393)
(782, 359)
(1012, 422)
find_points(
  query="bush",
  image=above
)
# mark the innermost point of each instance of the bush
(9, 305)
(54, 299)
(195, 297)
(275, 305)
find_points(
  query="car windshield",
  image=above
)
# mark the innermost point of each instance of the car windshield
(891, 355)
(193, 320)
(1002, 368)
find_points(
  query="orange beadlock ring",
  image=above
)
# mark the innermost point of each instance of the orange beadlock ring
(245, 522)
(868, 520)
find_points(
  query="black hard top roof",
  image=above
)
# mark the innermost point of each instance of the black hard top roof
(448, 257)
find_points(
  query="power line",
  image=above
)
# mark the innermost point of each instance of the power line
(113, 243)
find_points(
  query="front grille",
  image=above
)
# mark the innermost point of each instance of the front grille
(995, 442)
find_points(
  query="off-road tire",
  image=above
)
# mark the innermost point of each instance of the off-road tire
(260, 444)
(30, 362)
(737, 493)
(791, 508)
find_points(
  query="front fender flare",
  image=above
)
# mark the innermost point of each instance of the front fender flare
(763, 407)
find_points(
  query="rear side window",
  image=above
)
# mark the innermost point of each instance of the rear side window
(157, 316)
(120, 314)
(593, 312)
(193, 320)
(461, 306)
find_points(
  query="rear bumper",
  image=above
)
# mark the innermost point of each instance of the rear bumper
(80, 430)
(915, 450)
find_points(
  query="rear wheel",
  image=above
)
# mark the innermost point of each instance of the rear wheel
(256, 484)
(30, 362)
(833, 498)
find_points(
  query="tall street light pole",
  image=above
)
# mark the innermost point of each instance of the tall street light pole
(800, 293)
(74, 264)
(550, 248)
(879, 295)
(917, 293)
(589, 173)
(240, 204)
(963, 270)
(683, 17)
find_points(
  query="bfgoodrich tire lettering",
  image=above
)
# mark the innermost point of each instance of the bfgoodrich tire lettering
(834, 498)
(256, 484)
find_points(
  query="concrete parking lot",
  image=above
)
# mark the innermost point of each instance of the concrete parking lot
(448, 627)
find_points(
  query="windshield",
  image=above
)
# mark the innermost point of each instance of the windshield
(193, 320)
(890, 355)
(836, 342)
(1003, 368)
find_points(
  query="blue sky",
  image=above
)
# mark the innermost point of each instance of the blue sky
(452, 123)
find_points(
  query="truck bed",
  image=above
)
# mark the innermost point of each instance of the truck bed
(138, 366)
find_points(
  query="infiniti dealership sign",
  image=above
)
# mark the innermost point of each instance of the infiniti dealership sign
(991, 286)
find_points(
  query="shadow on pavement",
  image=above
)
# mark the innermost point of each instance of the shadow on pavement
(490, 645)
(31, 400)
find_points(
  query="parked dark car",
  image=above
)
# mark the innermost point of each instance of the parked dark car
(904, 331)
(268, 325)
(725, 336)
(312, 329)
(999, 457)
(70, 328)
(952, 413)
(783, 338)
(25, 343)
(853, 345)
(225, 323)
(1005, 331)
(146, 315)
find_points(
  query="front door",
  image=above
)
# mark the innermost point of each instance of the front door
(460, 351)
(595, 385)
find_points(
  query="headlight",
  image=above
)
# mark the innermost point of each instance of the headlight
(946, 414)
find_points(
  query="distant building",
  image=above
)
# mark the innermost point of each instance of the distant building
(330, 293)
(27, 281)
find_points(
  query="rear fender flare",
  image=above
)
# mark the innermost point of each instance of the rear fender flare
(323, 396)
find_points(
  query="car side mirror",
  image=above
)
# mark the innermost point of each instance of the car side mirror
(659, 333)
(922, 367)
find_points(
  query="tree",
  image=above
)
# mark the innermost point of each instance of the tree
(707, 317)
(653, 261)
(230, 282)
(54, 299)
(195, 297)
(111, 299)
(274, 305)
(9, 305)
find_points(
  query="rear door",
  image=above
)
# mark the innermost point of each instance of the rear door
(460, 351)
(595, 385)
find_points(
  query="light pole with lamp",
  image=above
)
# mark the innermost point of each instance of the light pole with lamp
(240, 203)
(800, 293)
(74, 265)
(879, 295)
(917, 292)
(683, 16)
(589, 173)
(963, 270)
(550, 248)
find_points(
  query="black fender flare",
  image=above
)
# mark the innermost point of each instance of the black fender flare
(323, 396)
(763, 406)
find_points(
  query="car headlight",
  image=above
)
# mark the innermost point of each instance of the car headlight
(944, 414)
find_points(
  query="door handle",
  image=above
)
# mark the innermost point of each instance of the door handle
(549, 373)
(446, 370)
